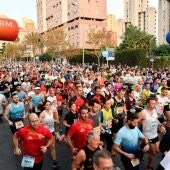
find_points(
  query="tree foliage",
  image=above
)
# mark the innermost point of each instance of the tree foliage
(35, 42)
(131, 57)
(162, 50)
(10, 51)
(56, 41)
(98, 40)
(134, 39)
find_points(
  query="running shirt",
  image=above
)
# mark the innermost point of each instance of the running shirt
(16, 111)
(88, 163)
(53, 101)
(36, 99)
(48, 121)
(21, 95)
(150, 124)
(78, 132)
(128, 139)
(106, 120)
(33, 140)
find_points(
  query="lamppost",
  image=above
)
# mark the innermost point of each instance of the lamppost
(82, 34)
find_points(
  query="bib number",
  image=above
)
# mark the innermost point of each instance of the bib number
(27, 161)
(135, 162)
(19, 124)
(37, 110)
(154, 124)
(119, 110)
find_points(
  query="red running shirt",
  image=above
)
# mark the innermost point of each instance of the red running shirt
(32, 141)
(78, 132)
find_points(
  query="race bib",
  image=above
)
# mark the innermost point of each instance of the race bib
(27, 161)
(135, 162)
(37, 110)
(119, 110)
(19, 124)
(15, 83)
(154, 124)
(50, 126)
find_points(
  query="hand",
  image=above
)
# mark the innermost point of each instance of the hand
(17, 151)
(25, 116)
(162, 130)
(146, 148)
(102, 131)
(74, 151)
(10, 123)
(130, 156)
(43, 149)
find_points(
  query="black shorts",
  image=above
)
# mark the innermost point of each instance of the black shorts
(154, 140)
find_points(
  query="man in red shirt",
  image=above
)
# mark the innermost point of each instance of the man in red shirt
(35, 139)
(77, 134)
(79, 100)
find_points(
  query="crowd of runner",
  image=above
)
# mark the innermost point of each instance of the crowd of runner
(124, 110)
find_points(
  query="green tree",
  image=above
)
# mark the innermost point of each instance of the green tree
(162, 50)
(56, 41)
(98, 40)
(10, 51)
(134, 38)
(34, 42)
(21, 48)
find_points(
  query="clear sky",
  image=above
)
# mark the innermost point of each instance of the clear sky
(16, 9)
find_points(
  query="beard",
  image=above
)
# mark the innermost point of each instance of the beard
(131, 126)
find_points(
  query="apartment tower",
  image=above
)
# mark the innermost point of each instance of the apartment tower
(139, 14)
(163, 20)
(75, 16)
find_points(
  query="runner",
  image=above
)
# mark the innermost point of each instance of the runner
(77, 134)
(127, 143)
(15, 114)
(35, 139)
(47, 118)
(84, 158)
(150, 125)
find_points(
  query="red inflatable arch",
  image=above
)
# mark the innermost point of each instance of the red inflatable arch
(8, 29)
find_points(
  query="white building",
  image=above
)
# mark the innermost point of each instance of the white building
(163, 20)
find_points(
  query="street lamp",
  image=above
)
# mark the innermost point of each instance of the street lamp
(83, 32)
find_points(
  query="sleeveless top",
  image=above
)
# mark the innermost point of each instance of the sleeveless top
(16, 111)
(118, 107)
(21, 95)
(150, 125)
(106, 120)
(88, 163)
(48, 121)
(36, 99)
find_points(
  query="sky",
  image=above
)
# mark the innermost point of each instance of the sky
(16, 9)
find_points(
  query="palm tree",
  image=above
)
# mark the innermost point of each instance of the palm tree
(56, 41)
(10, 51)
(35, 42)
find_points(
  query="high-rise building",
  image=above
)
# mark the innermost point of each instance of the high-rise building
(120, 30)
(163, 20)
(111, 29)
(139, 14)
(111, 23)
(116, 27)
(28, 24)
(75, 16)
(151, 21)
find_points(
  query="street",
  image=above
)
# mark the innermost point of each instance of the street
(8, 161)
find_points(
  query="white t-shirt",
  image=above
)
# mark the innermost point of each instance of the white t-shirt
(2, 99)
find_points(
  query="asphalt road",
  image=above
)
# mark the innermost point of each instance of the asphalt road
(8, 161)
